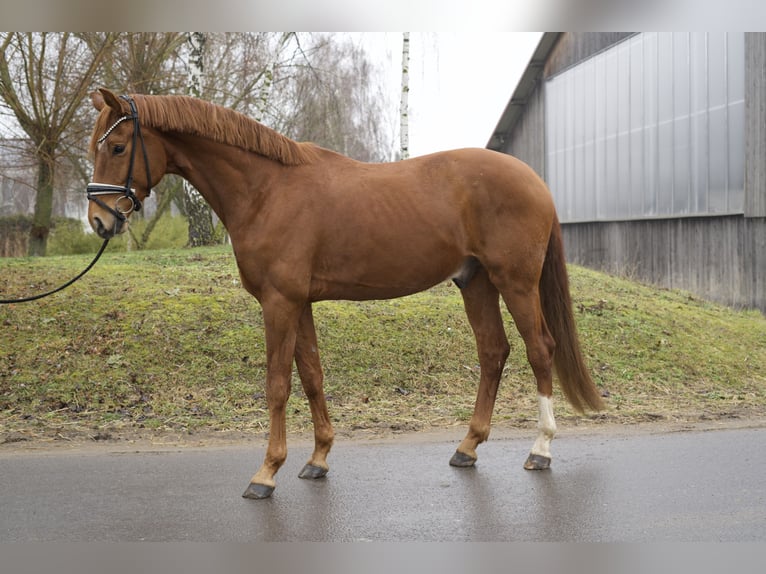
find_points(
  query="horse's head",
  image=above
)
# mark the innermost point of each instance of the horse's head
(125, 161)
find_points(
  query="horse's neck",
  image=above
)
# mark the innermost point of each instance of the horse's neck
(219, 172)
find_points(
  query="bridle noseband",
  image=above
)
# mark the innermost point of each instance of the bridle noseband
(95, 190)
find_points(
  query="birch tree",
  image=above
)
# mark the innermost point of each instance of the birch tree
(44, 78)
(267, 79)
(404, 121)
(201, 230)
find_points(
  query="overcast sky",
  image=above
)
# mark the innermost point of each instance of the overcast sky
(460, 82)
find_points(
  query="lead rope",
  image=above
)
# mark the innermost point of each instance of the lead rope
(64, 286)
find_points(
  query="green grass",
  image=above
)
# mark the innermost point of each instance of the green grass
(168, 341)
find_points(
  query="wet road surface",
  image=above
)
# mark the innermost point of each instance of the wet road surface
(681, 486)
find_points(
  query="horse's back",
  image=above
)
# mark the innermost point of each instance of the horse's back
(388, 229)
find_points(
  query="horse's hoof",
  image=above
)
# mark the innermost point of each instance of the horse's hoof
(312, 471)
(462, 460)
(537, 462)
(258, 491)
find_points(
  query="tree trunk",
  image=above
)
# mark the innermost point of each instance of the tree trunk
(201, 230)
(41, 221)
(164, 201)
(404, 131)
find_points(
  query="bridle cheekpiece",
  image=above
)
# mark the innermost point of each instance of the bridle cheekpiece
(95, 190)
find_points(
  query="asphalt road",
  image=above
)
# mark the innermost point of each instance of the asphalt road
(639, 486)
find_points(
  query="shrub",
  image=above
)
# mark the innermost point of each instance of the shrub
(69, 237)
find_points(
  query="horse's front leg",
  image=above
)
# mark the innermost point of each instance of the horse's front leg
(280, 318)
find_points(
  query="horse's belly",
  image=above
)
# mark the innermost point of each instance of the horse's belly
(389, 277)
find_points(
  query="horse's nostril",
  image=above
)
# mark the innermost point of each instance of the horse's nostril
(100, 227)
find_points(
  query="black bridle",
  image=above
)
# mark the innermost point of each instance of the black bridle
(95, 190)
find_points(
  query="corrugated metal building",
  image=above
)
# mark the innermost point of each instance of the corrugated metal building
(654, 147)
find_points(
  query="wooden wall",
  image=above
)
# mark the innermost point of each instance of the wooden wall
(719, 258)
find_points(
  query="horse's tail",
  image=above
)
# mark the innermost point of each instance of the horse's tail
(573, 375)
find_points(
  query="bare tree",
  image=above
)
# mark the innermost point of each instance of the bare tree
(333, 98)
(143, 62)
(311, 87)
(44, 78)
(243, 70)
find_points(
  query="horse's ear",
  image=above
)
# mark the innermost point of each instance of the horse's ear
(98, 100)
(118, 105)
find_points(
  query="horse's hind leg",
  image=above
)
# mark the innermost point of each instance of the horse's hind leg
(310, 371)
(482, 305)
(523, 302)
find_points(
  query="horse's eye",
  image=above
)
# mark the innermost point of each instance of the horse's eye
(118, 149)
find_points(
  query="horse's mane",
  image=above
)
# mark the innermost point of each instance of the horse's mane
(193, 116)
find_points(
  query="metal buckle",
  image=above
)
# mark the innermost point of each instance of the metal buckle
(133, 204)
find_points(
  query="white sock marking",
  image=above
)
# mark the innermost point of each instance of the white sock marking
(546, 426)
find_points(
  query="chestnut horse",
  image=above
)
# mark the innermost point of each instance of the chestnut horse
(308, 224)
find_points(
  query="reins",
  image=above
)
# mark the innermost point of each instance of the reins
(64, 286)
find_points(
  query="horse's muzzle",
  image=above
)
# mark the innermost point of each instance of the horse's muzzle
(118, 210)
(104, 231)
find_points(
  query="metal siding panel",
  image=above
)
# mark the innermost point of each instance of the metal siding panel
(682, 152)
(646, 129)
(717, 123)
(623, 205)
(600, 134)
(755, 120)
(735, 121)
(580, 206)
(649, 85)
(718, 154)
(588, 166)
(611, 111)
(736, 159)
(637, 124)
(665, 124)
(698, 193)
(568, 183)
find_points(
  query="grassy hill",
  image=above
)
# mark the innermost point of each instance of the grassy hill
(168, 342)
